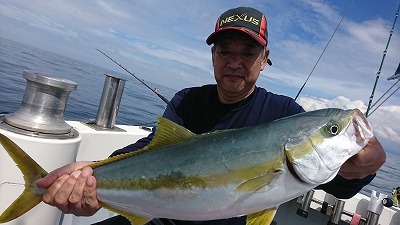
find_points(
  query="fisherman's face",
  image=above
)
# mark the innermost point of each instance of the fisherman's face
(237, 60)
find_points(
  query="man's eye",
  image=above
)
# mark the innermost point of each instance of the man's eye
(224, 53)
(250, 54)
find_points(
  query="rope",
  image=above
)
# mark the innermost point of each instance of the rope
(326, 46)
(385, 94)
(355, 220)
(385, 99)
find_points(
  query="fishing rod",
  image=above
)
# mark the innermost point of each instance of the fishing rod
(396, 75)
(380, 67)
(141, 81)
(323, 51)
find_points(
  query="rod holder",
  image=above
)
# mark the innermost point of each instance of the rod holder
(305, 205)
(110, 101)
(329, 200)
(375, 208)
(337, 212)
(372, 218)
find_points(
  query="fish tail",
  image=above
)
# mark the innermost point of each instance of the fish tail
(32, 171)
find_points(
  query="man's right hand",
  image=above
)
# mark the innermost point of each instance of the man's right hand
(71, 189)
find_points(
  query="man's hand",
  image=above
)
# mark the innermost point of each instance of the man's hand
(366, 162)
(71, 190)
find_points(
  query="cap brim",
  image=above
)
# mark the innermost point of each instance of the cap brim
(215, 35)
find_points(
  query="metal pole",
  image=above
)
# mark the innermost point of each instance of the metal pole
(305, 205)
(109, 103)
(337, 212)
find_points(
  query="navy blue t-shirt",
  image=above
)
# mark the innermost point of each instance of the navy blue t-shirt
(199, 110)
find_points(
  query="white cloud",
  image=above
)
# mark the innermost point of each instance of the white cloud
(164, 42)
(351, 61)
(385, 120)
(36, 20)
(111, 9)
(311, 103)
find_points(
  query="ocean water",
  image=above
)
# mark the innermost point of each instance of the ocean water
(139, 105)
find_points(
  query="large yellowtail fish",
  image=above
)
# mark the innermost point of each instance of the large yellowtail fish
(222, 174)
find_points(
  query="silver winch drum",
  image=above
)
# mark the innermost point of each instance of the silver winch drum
(43, 104)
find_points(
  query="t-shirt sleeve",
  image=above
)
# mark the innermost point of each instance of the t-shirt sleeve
(343, 188)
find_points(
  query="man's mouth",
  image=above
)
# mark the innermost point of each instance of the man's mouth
(234, 76)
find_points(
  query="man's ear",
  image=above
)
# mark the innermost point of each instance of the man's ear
(264, 61)
(212, 54)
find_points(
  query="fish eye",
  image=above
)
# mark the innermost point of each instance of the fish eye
(333, 129)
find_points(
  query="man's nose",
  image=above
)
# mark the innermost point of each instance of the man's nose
(235, 61)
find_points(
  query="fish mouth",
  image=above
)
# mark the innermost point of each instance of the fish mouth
(363, 129)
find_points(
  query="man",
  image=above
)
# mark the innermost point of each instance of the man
(239, 53)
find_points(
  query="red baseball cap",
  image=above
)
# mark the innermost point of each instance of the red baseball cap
(245, 19)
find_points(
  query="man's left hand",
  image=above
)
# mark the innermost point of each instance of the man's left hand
(364, 163)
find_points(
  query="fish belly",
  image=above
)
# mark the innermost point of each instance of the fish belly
(203, 203)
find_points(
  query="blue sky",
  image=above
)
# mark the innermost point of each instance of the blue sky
(164, 42)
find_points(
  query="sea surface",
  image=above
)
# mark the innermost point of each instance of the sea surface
(139, 105)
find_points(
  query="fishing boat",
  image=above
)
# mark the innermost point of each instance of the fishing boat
(39, 128)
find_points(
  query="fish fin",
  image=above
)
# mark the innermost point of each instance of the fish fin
(395, 194)
(25, 202)
(32, 172)
(133, 218)
(167, 133)
(264, 217)
(256, 184)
